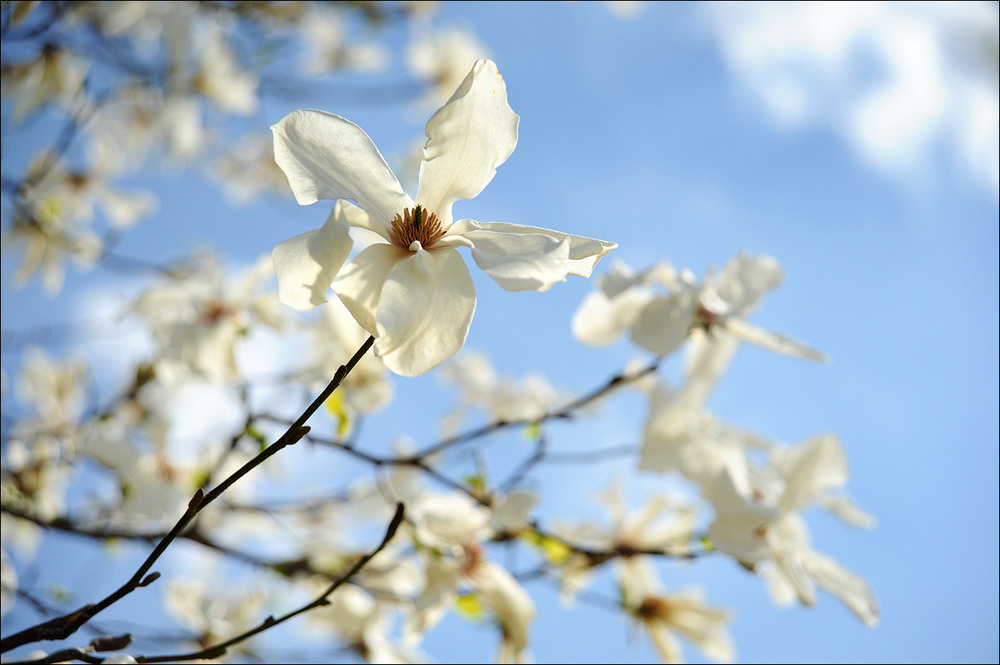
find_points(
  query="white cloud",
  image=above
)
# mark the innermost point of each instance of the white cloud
(900, 81)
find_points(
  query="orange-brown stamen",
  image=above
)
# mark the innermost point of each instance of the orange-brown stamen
(415, 225)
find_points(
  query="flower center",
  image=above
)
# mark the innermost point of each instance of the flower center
(413, 226)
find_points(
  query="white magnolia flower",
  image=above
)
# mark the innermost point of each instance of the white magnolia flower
(528, 398)
(329, 48)
(663, 523)
(54, 76)
(412, 291)
(200, 316)
(664, 615)
(213, 613)
(681, 434)
(721, 301)
(759, 524)
(442, 58)
(660, 322)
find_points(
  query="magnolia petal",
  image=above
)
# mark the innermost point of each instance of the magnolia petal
(306, 264)
(772, 341)
(359, 284)
(852, 590)
(424, 312)
(667, 646)
(359, 219)
(467, 139)
(584, 253)
(325, 156)
(601, 320)
(816, 466)
(663, 323)
(517, 261)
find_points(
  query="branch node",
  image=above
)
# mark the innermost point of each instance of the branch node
(196, 500)
(112, 642)
(149, 579)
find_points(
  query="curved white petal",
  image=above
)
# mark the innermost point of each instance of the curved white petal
(517, 261)
(325, 156)
(306, 264)
(852, 590)
(424, 311)
(360, 219)
(467, 139)
(584, 253)
(772, 341)
(359, 284)
(663, 324)
(601, 319)
(811, 469)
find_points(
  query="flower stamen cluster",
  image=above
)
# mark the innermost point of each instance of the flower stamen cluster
(413, 226)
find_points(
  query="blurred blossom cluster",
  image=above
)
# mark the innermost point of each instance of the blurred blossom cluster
(226, 365)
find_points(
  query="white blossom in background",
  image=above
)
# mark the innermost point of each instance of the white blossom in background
(148, 24)
(663, 524)
(619, 295)
(758, 521)
(442, 58)
(330, 49)
(139, 122)
(451, 531)
(213, 614)
(40, 445)
(248, 170)
(55, 217)
(361, 622)
(667, 615)
(55, 76)
(219, 76)
(681, 434)
(332, 339)
(200, 315)
(503, 400)
(54, 390)
(660, 323)
(412, 290)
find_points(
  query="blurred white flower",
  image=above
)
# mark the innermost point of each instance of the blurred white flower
(329, 49)
(757, 522)
(214, 612)
(451, 530)
(665, 615)
(200, 315)
(219, 77)
(126, 130)
(54, 220)
(663, 524)
(54, 76)
(332, 339)
(504, 400)
(248, 170)
(412, 290)
(442, 58)
(661, 323)
(681, 434)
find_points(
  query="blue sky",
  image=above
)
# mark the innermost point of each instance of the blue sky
(650, 133)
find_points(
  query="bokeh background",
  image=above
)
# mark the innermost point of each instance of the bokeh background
(857, 143)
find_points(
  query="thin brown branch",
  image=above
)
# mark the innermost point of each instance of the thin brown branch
(566, 411)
